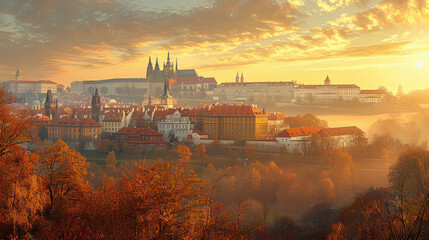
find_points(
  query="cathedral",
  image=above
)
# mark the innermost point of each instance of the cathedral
(170, 70)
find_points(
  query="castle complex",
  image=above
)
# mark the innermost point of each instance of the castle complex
(182, 79)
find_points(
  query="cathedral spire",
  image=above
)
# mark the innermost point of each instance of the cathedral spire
(166, 88)
(18, 75)
(156, 65)
(242, 78)
(177, 68)
(237, 78)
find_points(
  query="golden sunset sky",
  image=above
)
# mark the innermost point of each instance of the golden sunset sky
(370, 43)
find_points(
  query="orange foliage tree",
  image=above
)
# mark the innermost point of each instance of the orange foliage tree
(15, 129)
(63, 171)
(200, 153)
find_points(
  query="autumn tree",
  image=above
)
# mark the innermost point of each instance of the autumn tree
(250, 151)
(215, 146)
(63, 172)
(200, 153)
(22, 196)
(410, 174)
(384, 216)
(307, 120)
(15, 129)
(111, 164)
(161, 201)
(105, 145)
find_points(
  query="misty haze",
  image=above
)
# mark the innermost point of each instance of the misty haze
(214, 119)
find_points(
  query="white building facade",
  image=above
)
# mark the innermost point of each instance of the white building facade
(174, 124)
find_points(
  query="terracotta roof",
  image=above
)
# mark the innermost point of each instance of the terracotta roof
(186, 80)
(378, 91)
(209, 80)
(329, 132)
(276, 116)
(113, 117)
(60, 86)
(138, 131)
(252, 83)
(72, 122)
(301, 131)
(234, 111)
(199, 132)
(162, 114)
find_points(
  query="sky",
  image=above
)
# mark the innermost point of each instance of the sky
(370, 43)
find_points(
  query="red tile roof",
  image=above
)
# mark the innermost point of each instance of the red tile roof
(113, 117)
(199, 132)
(138, 131)
(209, 80)
(162, 114)
(72, 122)
(236, 111)
(330, 132)
(276, 116)
(251, 83)
(301, 131)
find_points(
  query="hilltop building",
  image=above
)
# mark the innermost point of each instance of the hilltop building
(254, 91)
(20, 88)
(182, 79)
(327, 92)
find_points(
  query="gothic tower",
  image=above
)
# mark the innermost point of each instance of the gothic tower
(149, 71)
(18, 76)
(168, 69)
(237, 78)
(156, 65)
(51, 107)
(242, 78)
(95, 106)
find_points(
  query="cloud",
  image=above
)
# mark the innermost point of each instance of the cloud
(47, 36)
(331, 5)
(51, 33)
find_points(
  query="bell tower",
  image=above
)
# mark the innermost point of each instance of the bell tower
(96, 106)
(51, 106)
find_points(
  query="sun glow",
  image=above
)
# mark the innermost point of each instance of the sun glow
(420, 65)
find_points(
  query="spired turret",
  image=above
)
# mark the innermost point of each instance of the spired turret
(327, 80)
(96, 106)
(157, 65)
(51, 106)
(17, 75)
(237, 78)
(149, 70)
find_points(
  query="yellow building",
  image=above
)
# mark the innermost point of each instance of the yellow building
(236, 122)
(71, 129)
